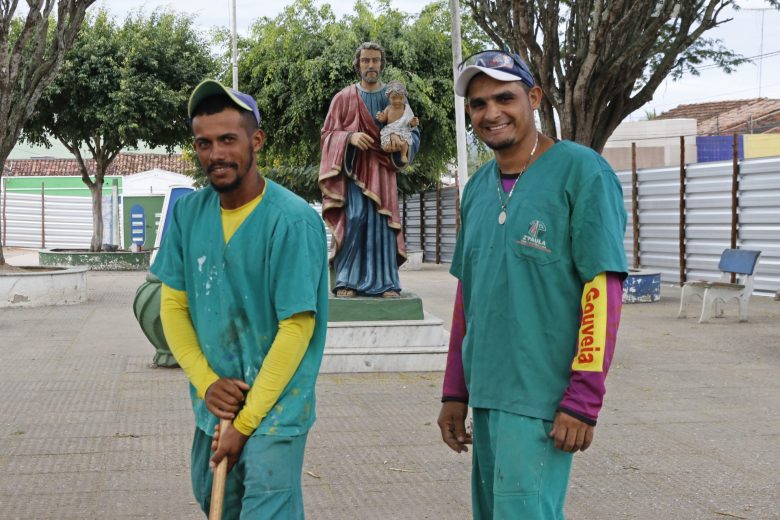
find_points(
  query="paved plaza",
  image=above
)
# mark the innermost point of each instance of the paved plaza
(88, 430)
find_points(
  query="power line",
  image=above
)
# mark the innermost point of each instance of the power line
(749, 58)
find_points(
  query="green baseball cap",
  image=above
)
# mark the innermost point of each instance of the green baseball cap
(210, 87)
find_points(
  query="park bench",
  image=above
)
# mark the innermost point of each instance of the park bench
(741, 262)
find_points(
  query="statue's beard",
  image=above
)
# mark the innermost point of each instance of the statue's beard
(370, 79)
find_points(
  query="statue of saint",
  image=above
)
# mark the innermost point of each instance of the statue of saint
(358, 181)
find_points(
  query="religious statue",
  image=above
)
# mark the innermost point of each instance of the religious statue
(358, 169)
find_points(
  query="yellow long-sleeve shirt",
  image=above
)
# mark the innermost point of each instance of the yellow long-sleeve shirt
(279, 365)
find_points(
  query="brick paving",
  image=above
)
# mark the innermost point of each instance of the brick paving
(690, 429)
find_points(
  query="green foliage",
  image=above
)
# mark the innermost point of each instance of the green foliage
(123, 85)
(703, 50)
(120, 86)
(32, 47)
(295, 63)
(299, 179)
(598, 62)
(193, 166)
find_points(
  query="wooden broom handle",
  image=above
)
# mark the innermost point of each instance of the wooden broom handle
(220, 476)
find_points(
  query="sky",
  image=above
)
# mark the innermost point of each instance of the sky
(743, 34)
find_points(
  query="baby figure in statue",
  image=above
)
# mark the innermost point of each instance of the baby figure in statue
(398, 118)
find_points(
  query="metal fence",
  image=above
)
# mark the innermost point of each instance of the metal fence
(688, 216)
(52, 221)
(437, 211)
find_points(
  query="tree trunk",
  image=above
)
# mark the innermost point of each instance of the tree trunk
(96, 190)
(103, 159)
(2, 207)
(597, 62)
(29, 61)
(547, 118)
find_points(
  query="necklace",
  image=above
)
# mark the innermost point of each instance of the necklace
(504, 203)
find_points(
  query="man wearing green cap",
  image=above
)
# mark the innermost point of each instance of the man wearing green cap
(244, 310)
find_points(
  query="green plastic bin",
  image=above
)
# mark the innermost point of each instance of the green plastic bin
(146, 307)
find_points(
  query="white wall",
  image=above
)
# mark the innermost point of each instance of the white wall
(153, 182)
(657, 141)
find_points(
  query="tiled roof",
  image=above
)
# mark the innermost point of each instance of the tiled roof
(760, 116)
(124, 164)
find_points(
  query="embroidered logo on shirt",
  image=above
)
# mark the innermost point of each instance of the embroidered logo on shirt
(535, 237)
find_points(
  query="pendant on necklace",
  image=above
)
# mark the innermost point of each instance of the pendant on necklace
(502, 217)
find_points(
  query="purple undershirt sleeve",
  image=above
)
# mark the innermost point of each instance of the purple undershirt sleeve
(585, 394)
(454, 379)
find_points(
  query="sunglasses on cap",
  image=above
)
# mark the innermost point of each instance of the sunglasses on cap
(503, 66)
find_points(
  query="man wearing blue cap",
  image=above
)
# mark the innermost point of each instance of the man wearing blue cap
(244, 310)
(540, 262)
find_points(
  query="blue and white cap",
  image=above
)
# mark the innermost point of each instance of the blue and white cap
(500, 65)
(210, 87)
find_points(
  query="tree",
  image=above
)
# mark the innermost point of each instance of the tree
(31, 52)
(597, 62)
(121, 86)
(295, 63)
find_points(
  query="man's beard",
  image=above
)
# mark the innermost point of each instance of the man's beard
(501, 145)
(370, 79)
(226, 188)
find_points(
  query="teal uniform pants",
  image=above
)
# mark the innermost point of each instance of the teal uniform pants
(518, 473)
(264, 484)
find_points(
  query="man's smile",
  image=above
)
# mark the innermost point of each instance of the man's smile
(220, 168)
(495, 128)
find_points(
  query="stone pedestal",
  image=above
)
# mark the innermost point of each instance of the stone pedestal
(386, 346)
(414, 261)
(373, 308)
(369, 334)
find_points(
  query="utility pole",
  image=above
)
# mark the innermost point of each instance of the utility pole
(234, 41)
(460, 114)
(763, 11)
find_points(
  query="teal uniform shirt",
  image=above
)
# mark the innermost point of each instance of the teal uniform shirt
(274, 266)
(522, 281)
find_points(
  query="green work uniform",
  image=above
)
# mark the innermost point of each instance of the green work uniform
(264, 484)
(522, 281)
(273, 267)
(518, 471)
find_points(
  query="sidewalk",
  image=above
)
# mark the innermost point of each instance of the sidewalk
(690, 428)
(21, 257)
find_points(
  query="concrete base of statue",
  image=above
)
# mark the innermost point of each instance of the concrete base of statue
(374, 340)
(414, 261)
